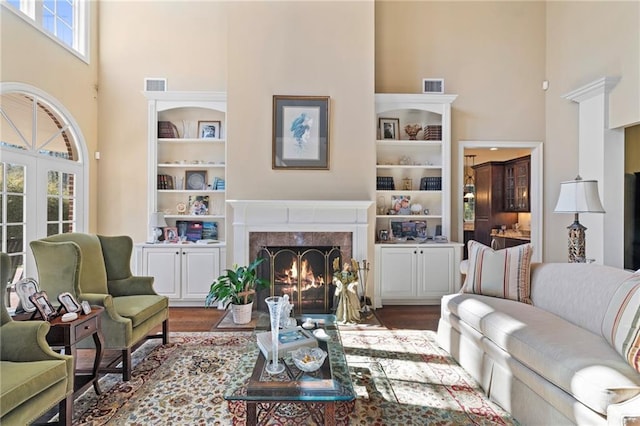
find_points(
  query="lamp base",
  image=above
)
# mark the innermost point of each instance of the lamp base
(156, 234)
(577, 242)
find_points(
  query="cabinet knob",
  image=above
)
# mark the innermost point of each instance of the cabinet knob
(177, 253)
(415, 252)
(421, 252)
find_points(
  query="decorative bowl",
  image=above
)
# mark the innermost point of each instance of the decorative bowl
(308, 359)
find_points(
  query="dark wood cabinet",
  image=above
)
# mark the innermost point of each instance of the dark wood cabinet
(490, 214)
(517, 179)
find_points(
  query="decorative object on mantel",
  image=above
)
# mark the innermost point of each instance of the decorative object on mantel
(412, 130)
(578, 196)
(157, 222)
(346, 282)
(237, 287)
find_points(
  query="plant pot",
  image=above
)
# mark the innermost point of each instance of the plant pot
(241, 313)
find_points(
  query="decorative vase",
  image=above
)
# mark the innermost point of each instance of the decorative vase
(275, 304)
(241, 313)
(412, 130)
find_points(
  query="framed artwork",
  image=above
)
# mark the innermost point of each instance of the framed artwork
(171, 234)
(389, 128)
(300, 132)
(24, 289)
(67, 300)
(198, 205)
(196, 179)
(43, 306)
(209, 129)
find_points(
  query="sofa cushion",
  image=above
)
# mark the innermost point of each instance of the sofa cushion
(21, 381)
(621, 325)
(139, 308)
(581, 363)
(499, 273)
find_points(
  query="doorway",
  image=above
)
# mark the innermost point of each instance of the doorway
(486, 151)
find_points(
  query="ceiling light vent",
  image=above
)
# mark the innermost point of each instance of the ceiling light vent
(155, 84)
(433, 85)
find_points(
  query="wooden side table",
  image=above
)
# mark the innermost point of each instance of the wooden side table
(68, 334)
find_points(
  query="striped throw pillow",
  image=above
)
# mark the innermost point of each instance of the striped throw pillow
(502, 273)
(621, 325)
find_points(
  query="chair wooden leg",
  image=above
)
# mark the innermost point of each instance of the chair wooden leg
(165, 331)
(126, 364)
(65, 411)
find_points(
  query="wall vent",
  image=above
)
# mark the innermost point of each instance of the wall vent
(155, 84)
(433, 85)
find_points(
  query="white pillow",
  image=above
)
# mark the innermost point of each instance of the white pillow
(502, 273)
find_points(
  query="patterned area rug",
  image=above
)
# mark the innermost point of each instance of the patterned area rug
(401, 377)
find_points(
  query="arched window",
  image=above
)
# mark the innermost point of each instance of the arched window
(43, 170)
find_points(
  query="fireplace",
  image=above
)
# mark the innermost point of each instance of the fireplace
(300, 225)
(304, 273)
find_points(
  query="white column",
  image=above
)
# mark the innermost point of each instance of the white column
(601, 157)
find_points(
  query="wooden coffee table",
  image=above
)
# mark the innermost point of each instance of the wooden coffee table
(319, 392)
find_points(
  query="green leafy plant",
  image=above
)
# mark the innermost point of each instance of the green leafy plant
(237, 285)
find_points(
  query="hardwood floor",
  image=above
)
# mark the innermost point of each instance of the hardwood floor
(419, 317)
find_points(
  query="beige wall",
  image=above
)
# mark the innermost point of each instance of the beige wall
(42, 63)
(492, 54)
(185, 42)
(585, 41)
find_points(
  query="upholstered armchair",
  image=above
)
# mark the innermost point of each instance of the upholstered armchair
(33, 378)
(132, 308)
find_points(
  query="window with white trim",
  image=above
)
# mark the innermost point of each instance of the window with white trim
(42, 173)
(66, 21)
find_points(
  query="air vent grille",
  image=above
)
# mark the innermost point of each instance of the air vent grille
(433, 85)
(155, 84)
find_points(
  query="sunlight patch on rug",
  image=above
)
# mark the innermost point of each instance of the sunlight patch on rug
(401, 377)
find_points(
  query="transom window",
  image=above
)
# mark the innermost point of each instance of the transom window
(66, 21)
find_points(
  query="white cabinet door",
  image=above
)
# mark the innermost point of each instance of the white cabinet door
(163, 263)
(199, 268)
(436, 266)
(398, 272)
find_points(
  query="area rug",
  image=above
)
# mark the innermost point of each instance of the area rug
(401, 377)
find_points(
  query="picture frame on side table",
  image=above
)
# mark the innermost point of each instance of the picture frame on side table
(24, 289)
(196, 180)
(389, 128)
(43, 306)
(69, 303)
(300, 133)
(209, 129)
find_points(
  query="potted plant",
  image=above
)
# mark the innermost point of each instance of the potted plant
(237, 286)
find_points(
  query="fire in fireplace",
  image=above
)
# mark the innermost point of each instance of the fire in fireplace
(304, 273)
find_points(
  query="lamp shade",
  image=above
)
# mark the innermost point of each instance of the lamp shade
(156, 220)
(579, 196)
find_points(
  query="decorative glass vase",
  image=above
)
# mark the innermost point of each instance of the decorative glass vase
(275, 304)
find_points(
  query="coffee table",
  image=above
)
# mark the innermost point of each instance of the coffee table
(321, 392)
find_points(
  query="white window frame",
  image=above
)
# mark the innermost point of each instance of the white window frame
(31, 12)
(36, 174)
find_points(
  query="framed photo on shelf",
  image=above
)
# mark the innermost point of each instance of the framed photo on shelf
(171, 234)
(43, 306)
(209, 129)
(69, 303)
(401, 204)
(300, 132)
(389, 128)
(24, 289)
(196, 179)
(198, 205)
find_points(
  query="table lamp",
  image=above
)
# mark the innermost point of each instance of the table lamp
(578, 196)
(157, 222)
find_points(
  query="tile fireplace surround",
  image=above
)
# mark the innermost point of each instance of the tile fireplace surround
(299, 222)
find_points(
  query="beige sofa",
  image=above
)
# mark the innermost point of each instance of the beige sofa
(548, 363)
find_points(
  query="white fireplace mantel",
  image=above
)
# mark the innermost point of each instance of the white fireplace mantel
(299, 216)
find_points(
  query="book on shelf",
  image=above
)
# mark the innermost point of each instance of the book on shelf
(209, 230)
(167, 129)
(194, 230)
(165, 181)
(431, 183)
(288, 340)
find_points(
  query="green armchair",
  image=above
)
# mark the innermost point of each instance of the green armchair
(33, 378)
(132, 308)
